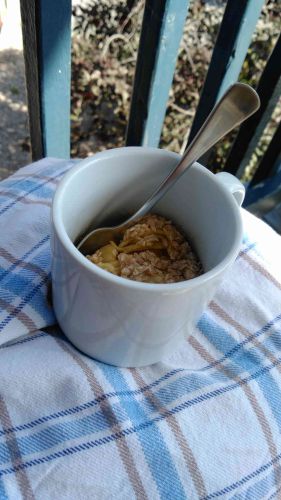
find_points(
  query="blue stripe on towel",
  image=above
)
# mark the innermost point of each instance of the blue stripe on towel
(161, 466)
(145, 425)
(245, 360)
(56, 434)
(260, 489)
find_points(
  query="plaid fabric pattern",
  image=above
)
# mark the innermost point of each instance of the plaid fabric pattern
(205, 423)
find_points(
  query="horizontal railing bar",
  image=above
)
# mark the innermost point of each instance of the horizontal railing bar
(265, 195)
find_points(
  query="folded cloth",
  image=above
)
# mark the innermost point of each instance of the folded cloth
(204, 423)
(25, 200)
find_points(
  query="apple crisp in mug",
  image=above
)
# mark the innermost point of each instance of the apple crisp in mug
(152, 250)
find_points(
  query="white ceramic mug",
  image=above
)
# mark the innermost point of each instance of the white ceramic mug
(124, 322)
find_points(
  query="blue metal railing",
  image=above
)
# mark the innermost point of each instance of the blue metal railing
(47, 43)
(238, 23)
(47, 47)
(269, 90)
(54, 22)
(162, 27)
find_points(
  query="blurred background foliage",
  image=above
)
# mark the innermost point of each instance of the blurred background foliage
(104, 52)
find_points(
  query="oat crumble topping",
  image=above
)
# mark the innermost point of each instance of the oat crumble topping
(152, 250)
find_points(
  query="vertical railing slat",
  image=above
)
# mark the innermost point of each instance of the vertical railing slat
(239, 21)
(46, 27)
(54, 19)
(269, 90)
(162, 28)
(30, 45)
(270, 158)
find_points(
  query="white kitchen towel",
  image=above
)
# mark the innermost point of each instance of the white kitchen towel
(25, 200)
(204, 423)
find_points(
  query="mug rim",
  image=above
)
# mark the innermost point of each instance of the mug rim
(125, 282)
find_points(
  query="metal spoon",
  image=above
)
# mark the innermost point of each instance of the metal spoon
(238, 103)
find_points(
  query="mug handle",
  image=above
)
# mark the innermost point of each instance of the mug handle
(232, 184)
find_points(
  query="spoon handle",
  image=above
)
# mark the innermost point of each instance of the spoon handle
(238, 103)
